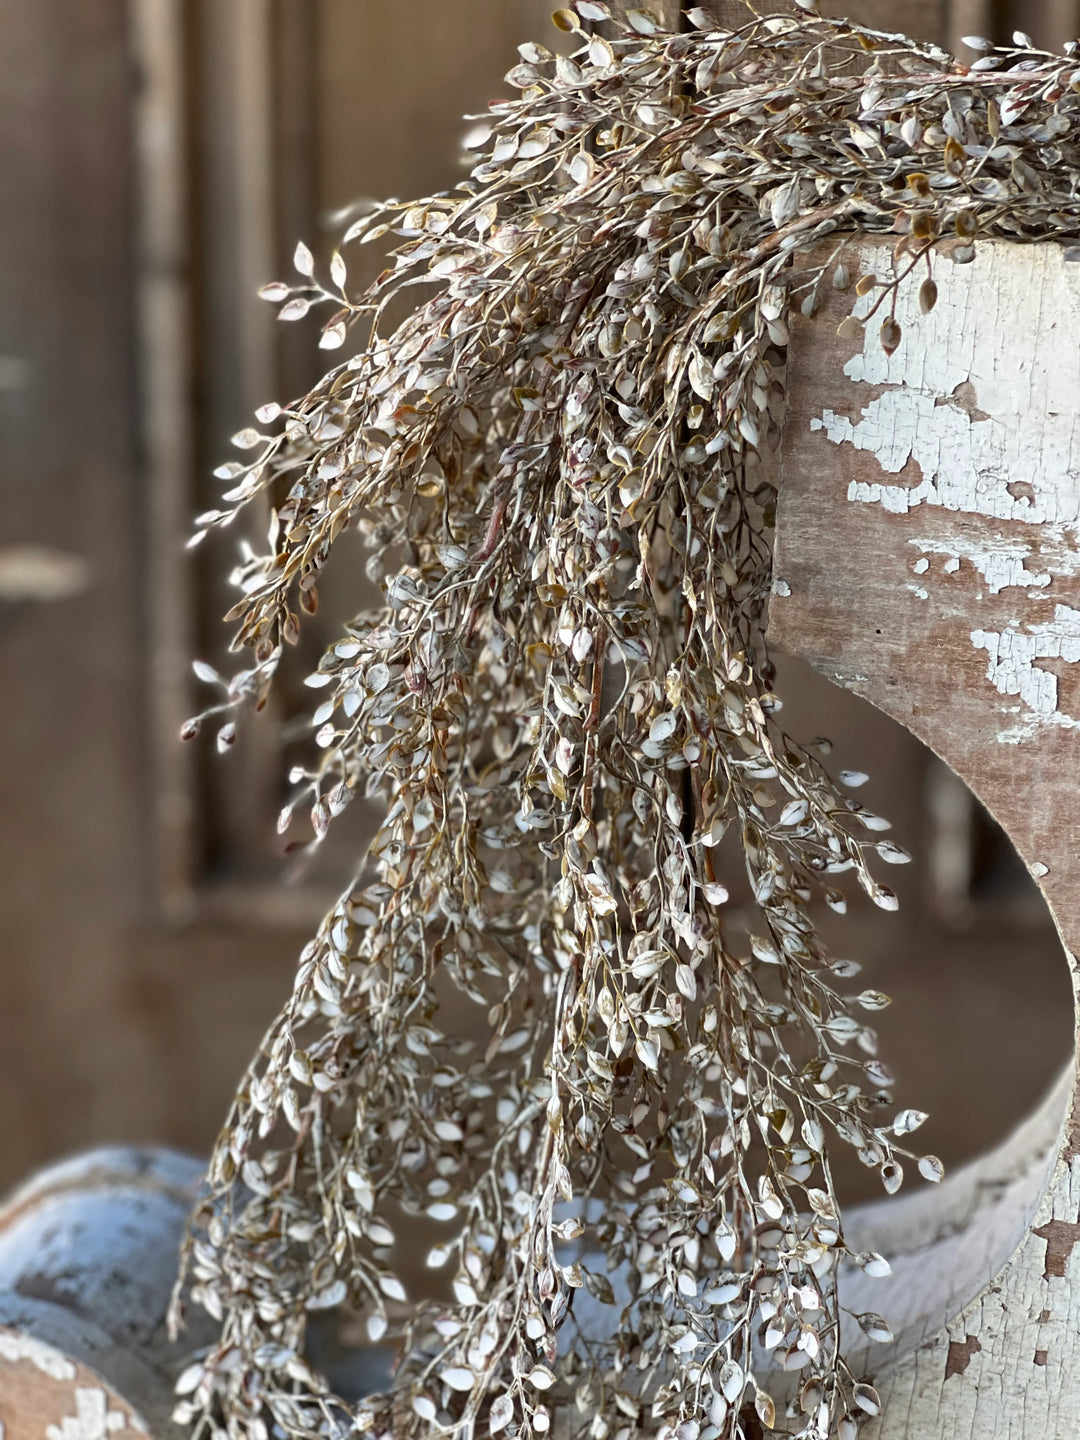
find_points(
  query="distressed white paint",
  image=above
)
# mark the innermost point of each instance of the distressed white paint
(1011, 666)
(15, 1347)
(984, 424)
(985, 1295)
(1018, 1313)
(925, 412)
(1002, 563)
(91, 1418)
(944, 1244)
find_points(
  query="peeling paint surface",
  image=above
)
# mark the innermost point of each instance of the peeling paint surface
(88, 1255)
(963, 400)
(93, 1420)
(65, 1401)
(16, 1347)
(985, 1295)
(1012, 666)
(1002, 565)
(970, 421)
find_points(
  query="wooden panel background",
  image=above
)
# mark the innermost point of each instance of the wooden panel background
(158, 160)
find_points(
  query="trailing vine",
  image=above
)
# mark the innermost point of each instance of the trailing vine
(560, 460)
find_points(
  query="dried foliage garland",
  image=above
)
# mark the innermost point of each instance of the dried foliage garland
(564, 702)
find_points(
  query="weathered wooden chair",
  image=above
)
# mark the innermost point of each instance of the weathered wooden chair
(927, 557)
(88, 1258)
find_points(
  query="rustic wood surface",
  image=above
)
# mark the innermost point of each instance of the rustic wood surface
(88, 1259)
(928, 558)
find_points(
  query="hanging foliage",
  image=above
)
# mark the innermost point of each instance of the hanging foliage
(560, 460)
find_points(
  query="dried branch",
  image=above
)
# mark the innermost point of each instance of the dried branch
(564, 703)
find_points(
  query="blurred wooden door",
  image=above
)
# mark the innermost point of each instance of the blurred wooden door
(158, 160)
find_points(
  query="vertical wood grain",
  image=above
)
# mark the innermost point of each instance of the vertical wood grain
(297, 142)
(164, 351)
(1049, 22)
(73, 774)
(234, 224)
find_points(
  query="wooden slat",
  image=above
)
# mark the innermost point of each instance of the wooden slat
(166, 426)
(297, 163)
(235, 370)
(969, 17)
(1061, 22)
(71, 726)
(1049, 22)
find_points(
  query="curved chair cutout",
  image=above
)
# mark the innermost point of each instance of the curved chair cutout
(928, 558)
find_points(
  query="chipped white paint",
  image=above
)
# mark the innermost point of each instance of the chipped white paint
(1017, 1380)
(919, 592)
(15, 1347)
(964, 401)
(91, 1418)
(1002, 564)
(944, 1243)
(977, 423)
(1012, 666)
(985, 1295)
(781, 588)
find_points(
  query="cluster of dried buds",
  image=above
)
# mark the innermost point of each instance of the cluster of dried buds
(561, 462)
